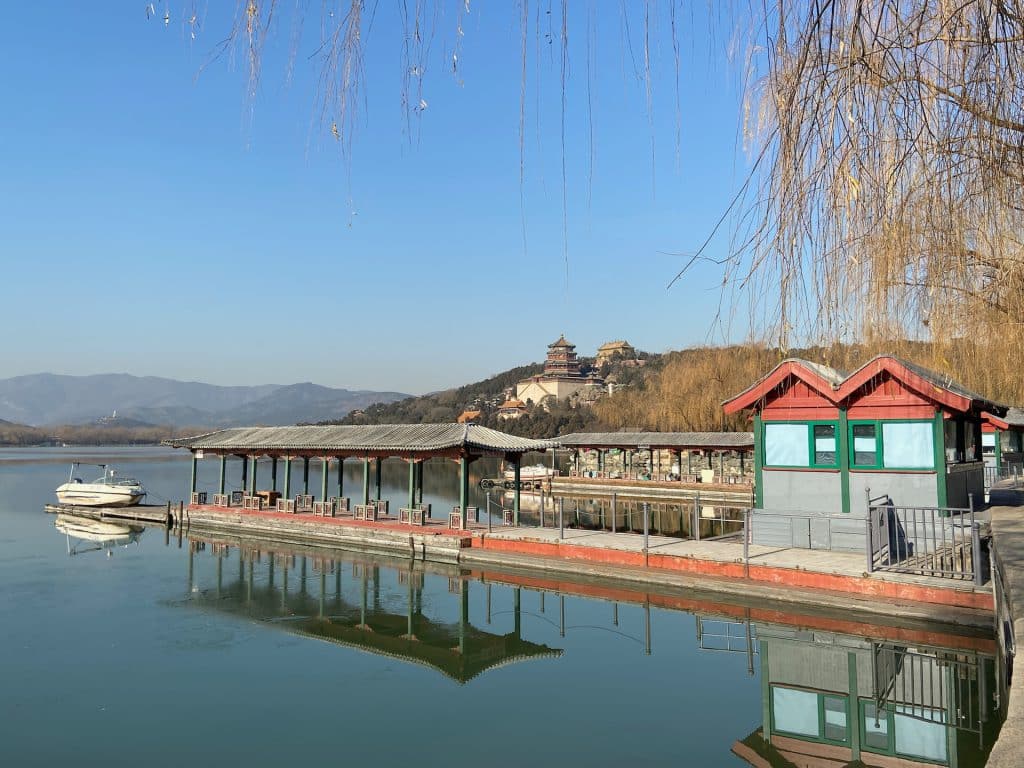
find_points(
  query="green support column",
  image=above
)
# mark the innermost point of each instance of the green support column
(366, 480)
(412, 483)
(843, 446)
(766, 690)
(195, 467)
(999, 450)
(245, 471)
(305, 474)
(463, 485)
(252, 476)
(287, 476)
(341, 476)
(223, 471)
(939, 436)
(323, 478)
(273, 473)
(419, 482)
(515, 490)
(378, 465)
(758, 458)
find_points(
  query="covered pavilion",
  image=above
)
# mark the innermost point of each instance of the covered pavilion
(630, 444)
(415, 443)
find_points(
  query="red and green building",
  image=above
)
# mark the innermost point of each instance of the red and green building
(1002, 440)
(824, 440)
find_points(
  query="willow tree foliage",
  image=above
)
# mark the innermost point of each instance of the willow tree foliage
(884, 140)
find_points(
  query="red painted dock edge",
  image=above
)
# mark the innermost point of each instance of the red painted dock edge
(787, 577)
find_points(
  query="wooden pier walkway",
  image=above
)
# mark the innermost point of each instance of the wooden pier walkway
(141, 513)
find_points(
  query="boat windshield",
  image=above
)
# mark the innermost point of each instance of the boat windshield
(112, 480)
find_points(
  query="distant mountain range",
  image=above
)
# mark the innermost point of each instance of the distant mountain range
(48, 399)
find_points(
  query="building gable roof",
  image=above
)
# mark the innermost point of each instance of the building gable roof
(837, 388)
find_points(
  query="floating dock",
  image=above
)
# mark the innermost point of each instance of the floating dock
(142, 513)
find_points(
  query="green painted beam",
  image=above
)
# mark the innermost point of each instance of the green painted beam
(758, 461)
(515, 490)
(223, 472)
(323, 478)
(378, 472)
(463, 485)
(939, 433)
(252, 476)
(366, 480)
(412, 483)
(843, 447)
(341, 476)
(195, 469)
(273, 473)
(305, 475)
(287, 476)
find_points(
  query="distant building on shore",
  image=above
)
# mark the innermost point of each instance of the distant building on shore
(512, 408)
(613, 350)
(562, 377)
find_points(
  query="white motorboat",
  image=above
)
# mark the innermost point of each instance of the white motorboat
(110, 490)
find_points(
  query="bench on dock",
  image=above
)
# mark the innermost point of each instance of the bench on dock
(341, 504)
(304, 502)
(508, 517)
(365, 512)
(383, 506)
(472, 515)
(221, 500)
(236, 498)
(252, 502)
(286, 505)
(197, 498)
(323, 508)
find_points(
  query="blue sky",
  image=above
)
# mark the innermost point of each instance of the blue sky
(155, 222)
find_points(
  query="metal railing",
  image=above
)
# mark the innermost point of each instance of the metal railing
(927, 541)
(1012, 472)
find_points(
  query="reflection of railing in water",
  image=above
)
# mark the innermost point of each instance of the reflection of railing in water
(723, 636)
(926, 684)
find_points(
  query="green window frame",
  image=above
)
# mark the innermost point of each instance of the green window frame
(857, 430)
(820, 455)
(826, 724)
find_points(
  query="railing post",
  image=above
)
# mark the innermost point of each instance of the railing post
(696, 516)
(561, 516)
(489, 511)
(746, 543)
(869, 546)
(979, 577)
(646, 531)
(614, 510)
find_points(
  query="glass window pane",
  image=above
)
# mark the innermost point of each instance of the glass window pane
(970, 443)
(988, 440)
(835, 718)
(785, 445)
(917, 737)
(865, 450)
(824, 443)
(795, 711)
(908, 446)
(876, 731)
(950, 429)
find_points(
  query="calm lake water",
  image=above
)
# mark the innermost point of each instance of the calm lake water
(263, 654)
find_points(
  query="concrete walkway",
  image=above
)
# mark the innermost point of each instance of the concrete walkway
(1007, 515)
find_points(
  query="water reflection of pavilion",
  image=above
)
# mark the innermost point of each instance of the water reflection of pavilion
(319, 608)
(832, 700)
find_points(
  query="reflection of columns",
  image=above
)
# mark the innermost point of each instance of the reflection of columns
(463, 486)
(252, 476)
(302, 578)
(248, 592)
(463, 615)
(220, 573)
(270, 570)
(488, 603)
(362, 608)
(366, 480)
(561, 615)
(273, 473)
(195, 467)
(323, 589)
(191, 568)
(305, 475)
(287, 476)
(223, 471)
(408, 607)
(284, 583)
(517, 614)
(376, 587)
(377, 469)
(412, 484)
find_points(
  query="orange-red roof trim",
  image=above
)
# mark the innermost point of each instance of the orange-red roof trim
(762, 388)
